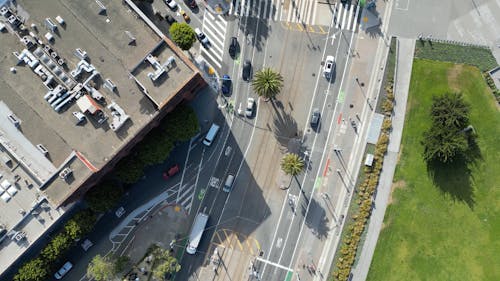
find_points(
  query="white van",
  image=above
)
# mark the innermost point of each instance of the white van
(228, 185)
(209, 138)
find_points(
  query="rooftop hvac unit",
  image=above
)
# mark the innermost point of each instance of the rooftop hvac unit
(50, 25)
(42, 149)
(130, 37)
(79, 53)
(60, 20)
(14, 120)
(64, 174)
(101, 9)
(108, 84)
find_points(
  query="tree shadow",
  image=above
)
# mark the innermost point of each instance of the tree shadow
(455, 179)
(285, 128)
(316, 219)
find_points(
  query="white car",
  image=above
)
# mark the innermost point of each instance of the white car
(201, 36)
(250, 106)
(328, 67)
(171, 4)
(63, 270)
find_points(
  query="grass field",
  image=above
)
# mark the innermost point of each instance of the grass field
(446, 227)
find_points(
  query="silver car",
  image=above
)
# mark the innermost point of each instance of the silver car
(63, 270)
(250, 106)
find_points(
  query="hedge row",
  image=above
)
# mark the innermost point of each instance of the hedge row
(38, 269)
(365, 190)
(493, 87)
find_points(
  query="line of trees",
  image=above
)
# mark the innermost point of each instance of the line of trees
(38, 269)
(178, 126)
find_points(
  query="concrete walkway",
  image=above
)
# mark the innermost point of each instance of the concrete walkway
(404, 63)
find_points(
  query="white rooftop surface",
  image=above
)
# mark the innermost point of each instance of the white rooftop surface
(22, 149)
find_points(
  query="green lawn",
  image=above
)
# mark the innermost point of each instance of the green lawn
(449, 228)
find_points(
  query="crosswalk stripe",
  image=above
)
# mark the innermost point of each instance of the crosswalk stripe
(247, 8)
(355, 22)
(290, 12)
(187, 200)
(350, 17)
(343, 17)
(203, 50)
(277, 10)
(335, 14)
(314, 11)
(214, 32)
(185, 192)
(218, 20)
(307, 16)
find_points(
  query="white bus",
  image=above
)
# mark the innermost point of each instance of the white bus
(209, 138)
(196, 232)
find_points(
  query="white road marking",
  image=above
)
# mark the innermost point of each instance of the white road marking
(274, 264)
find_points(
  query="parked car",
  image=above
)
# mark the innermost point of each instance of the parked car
(63, 270)
(233, 47)
(250, 106)
(172, 171)
(246, 71)
(171, 4)
(328, 67)
(226, 84)
(192, 4)
(185, 16)
(170, 19)
(201, 36)
(119, 212)
(315, 118)
(87, 244)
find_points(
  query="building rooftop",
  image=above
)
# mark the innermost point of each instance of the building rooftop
(79, 81)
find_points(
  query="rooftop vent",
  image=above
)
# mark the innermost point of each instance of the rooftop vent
(64, 174)
(42, 149)
(14, 120)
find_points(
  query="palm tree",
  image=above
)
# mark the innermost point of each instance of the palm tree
(292, 164)
(267, 83)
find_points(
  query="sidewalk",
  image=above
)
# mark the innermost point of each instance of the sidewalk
(370, 52)
(404, 63)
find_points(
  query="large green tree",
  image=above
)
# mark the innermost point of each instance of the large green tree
(81, 224)
(34, 270)
(56, 247)
(267, 83)
(450, 110)
(292, 164)
(446, 139)
(104, 196)
(101, 268)
(183, 35)
(166, 264)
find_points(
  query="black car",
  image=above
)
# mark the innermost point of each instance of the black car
(170, 19)
(226, 85)
(233, 47)
(192, 4)
(315, 118)
(247, 69)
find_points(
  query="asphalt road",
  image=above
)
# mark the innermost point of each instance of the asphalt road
(254, 207)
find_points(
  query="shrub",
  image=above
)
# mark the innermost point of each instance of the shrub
(104, 196)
